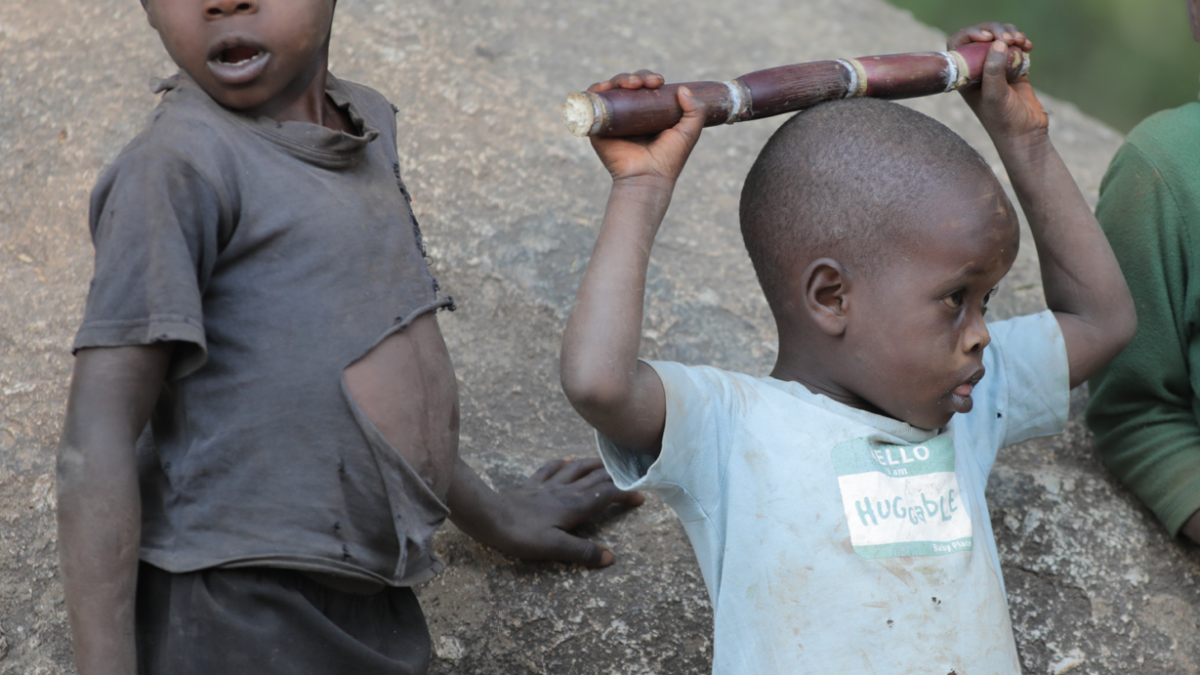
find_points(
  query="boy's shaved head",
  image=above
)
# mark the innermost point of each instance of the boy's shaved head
(846, 180)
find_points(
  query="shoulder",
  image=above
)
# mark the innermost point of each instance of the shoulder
(1168, 127)
(183, 167)
(1168, 140)
(361, 94)
(185, 133)
(677, 375)
(372, 105)
(706, 393)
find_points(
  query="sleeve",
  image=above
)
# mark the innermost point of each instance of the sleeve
(1031, 356)
(1142, 407)
(154, 223)
(701, 404)
(1025, 392)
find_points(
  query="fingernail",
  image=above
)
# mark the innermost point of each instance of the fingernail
(1007, 35)
(986, 33)
(999, 47)
(685, 91)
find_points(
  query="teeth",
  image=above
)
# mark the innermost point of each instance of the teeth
(256, 56)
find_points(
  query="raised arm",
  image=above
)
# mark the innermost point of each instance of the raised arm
(1083, 283)
(601, 375)
(113, 391)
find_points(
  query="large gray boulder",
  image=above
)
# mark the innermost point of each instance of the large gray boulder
(509, 203)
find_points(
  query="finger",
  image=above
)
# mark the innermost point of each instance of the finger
(651, 79)
(996, 28)
(623, 81)
(968, 35)
(601, 86)
(1000, 30)
(631, 80)
(594, 477)
(568, 548)
(995, 81)
(629, 498)
(571, 471)
(545, 471)
(598, 497)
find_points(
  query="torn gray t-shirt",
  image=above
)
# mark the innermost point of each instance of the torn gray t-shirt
(273, 255)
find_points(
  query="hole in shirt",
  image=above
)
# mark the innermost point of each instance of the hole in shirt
(405, 386)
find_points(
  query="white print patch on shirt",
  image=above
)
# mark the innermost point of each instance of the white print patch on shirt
(902, 500)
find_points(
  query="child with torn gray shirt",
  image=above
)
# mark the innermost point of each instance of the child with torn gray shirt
(263, 411)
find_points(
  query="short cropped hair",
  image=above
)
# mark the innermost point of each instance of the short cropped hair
(842, 180)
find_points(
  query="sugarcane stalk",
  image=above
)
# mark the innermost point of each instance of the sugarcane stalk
(764, 93)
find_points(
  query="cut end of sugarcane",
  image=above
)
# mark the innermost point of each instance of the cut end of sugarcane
(579, 112)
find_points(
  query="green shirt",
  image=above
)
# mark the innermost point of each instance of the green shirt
(1144, 409)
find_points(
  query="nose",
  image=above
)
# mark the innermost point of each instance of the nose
(216, 9)
(976, 336)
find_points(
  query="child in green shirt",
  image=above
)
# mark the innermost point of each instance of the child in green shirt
(1144, 409)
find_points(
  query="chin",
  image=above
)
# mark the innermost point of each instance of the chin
(932, 422)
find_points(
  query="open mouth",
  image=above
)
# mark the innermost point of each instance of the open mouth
(964, 390)
(237, 61)
(237, 56)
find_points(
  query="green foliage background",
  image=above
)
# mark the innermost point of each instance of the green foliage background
(1118, 60)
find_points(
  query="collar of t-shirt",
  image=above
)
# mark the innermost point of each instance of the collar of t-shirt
(907, 432)
(312, 143)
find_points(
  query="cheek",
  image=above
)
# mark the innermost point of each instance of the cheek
(924, 359)
(309, 29)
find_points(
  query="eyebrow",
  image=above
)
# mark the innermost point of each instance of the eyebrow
(965, 274)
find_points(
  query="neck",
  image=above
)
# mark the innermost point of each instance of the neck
(304, 99)
(805, 358)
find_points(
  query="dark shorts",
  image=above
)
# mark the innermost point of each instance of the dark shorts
(259, 621)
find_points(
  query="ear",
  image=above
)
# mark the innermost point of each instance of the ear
(826, 285)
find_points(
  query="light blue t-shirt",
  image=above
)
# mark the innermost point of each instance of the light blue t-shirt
(835, 540)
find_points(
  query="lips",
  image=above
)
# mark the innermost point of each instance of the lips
(236, 60)
(960, 396)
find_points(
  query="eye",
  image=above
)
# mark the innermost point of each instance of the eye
(954, 300)
(986, 298)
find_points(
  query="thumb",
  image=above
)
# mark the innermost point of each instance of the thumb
(995, 77)
(694, 113)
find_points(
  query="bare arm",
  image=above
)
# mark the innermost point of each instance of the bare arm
(531, 521)
(99, 507)
(1083, 283)
(601, 375)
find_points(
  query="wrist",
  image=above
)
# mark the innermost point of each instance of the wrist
(644, 188)
(1024, 149)
(642, 199)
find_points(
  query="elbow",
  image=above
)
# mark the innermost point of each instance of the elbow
(591, 391)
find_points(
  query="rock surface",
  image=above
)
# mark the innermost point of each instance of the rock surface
(509, 203)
